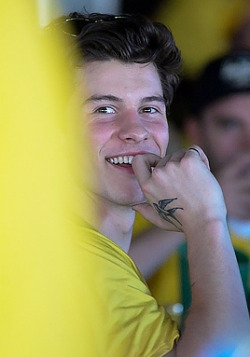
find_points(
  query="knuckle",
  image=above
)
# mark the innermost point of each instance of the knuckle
(156, 173)
(187, 162)
(160, 175)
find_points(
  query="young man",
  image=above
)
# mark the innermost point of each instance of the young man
(130, 68)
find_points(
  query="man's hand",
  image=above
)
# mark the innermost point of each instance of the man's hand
(180, 189)
(234, 179)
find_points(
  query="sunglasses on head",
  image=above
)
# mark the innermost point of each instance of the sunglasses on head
(73, 25)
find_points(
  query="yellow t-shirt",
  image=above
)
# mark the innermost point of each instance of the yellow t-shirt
(123, 318)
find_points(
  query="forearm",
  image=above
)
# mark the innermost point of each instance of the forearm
(218, 317)
(184, 194)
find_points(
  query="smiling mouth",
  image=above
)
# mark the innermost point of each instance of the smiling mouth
(121, 160)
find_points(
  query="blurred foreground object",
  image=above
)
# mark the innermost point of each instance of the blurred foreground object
(42, 300)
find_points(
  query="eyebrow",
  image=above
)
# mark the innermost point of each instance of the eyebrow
(112, 98)
(154, 98)
(109, 97)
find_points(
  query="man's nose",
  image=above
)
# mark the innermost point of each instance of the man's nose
(132, 127)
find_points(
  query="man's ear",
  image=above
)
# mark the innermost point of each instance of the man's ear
(192, 130)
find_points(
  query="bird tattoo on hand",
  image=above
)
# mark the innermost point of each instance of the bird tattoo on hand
(167, 214)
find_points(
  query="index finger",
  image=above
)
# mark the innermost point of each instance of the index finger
(196, 150)
(142, 166)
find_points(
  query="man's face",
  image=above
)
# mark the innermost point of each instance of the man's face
(126, 116)
(224, 129)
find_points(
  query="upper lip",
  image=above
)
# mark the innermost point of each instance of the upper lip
(131, 153)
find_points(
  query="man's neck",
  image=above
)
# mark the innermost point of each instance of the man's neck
(112, 220)
(117, 225)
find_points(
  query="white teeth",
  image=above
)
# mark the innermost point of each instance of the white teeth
(125, 160)
(121, 160)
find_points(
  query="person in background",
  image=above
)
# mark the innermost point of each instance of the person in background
(220, 123)
(127, 70)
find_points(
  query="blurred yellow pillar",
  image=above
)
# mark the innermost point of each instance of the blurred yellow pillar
(42, 302)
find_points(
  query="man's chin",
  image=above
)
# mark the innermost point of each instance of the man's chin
(126, 201)
(122, 198)
(134, 198)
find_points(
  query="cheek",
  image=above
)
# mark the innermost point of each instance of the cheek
(94, 142)
(97, 137)
(164, 145)
(162, 139)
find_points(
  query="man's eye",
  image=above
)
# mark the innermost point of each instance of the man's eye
(228, 124)
(150, 110)
(105, 110)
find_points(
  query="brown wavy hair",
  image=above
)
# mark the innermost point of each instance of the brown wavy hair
(126, 38)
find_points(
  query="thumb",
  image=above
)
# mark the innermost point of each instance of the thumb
(150, 214)
(145, 209)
